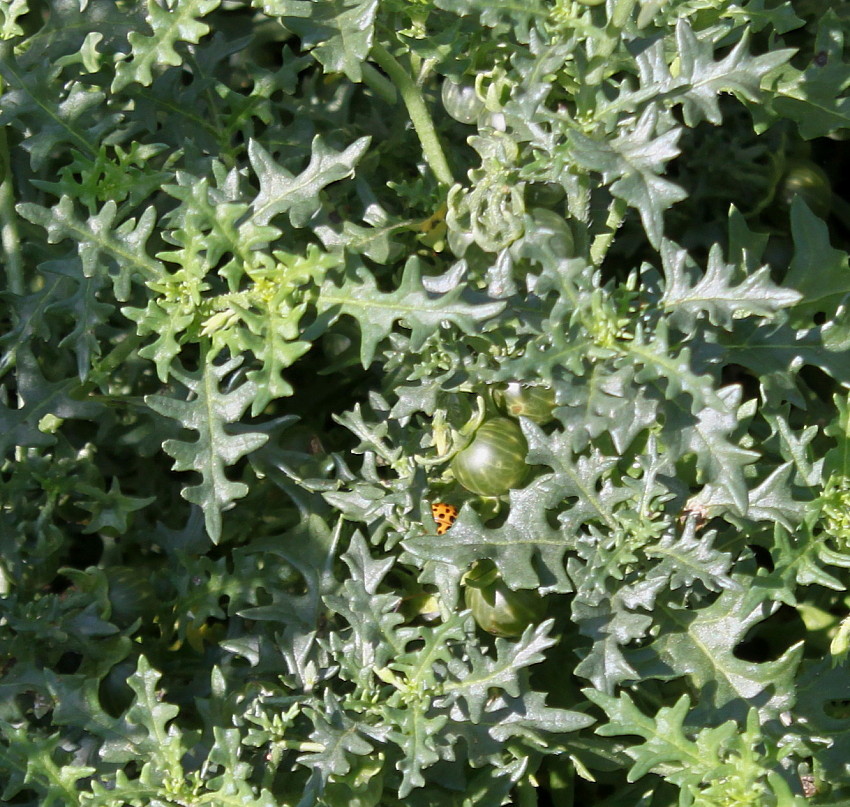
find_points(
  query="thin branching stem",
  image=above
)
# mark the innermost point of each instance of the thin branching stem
(418, 111)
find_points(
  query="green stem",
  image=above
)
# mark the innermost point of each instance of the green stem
(602, 242)
(101, 372)
(418, 111)
(275, 755)
(526, 794)
(304, 747)
(9, 238)
(376, 81)
(9, 220)
(561, 780)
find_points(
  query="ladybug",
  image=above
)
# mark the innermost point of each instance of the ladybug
(444, 514)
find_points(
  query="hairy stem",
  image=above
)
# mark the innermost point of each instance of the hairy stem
(418, 111)
(376, 81)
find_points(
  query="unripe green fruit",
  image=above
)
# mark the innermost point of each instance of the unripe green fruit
(495, 607)
(494, 461)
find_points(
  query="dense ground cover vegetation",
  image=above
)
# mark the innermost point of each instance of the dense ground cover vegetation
(424, 402)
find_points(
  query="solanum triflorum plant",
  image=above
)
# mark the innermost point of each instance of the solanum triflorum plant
(284, 282)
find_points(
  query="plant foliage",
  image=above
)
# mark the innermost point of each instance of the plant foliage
(267, 268)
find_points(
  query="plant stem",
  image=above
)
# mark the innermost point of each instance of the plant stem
(275, 755)
(270, 768)
(11, 244)
(9, 220)
(602, 242)
(526, 795)
(376, 81)
(561, 780)
(418, 111)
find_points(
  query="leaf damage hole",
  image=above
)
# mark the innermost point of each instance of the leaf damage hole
(772, 637)
(736, 374)
(818, 382)
(762, 556)
(69, 662)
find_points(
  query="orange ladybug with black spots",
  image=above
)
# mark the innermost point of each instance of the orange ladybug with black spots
(444, 514)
